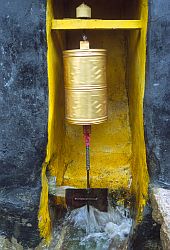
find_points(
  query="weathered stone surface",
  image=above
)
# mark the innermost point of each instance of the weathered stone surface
(147, 233)
(5, 244)
(23, 116)
(156, 111)
(160, 200)
(157, 92)
(12, 244)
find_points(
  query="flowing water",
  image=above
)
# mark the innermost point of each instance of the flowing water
(80, 230)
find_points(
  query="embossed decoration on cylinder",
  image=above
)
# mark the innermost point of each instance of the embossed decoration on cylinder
(85, 86)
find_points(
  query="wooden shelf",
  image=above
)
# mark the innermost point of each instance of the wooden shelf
(73, 24)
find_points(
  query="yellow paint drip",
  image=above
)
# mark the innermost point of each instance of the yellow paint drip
(44, 222)
(118, 157)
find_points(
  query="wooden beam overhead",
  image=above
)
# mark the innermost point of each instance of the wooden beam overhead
(73, 24)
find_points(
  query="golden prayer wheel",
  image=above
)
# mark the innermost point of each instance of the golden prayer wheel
(85, 86)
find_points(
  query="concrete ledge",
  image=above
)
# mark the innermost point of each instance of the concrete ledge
(160, 201)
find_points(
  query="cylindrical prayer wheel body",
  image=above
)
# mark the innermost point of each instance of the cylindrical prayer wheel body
(85, 86)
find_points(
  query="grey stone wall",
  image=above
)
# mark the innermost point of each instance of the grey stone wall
(23, 116)
(157, 93)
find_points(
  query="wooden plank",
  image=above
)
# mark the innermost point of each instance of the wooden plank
(72, 24)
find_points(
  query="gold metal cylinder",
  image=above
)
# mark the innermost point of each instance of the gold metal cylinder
(85, 86)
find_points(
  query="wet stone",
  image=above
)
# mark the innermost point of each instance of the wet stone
(160, 200)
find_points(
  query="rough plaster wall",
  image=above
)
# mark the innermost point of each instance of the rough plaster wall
(157, 94)
(23, 116)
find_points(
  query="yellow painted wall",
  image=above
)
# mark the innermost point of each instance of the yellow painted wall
(135, 75)
(56, 134)
(117, 149)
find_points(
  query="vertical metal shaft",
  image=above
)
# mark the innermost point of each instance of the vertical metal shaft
(86, 132)
(88, 165)
(88, 172)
